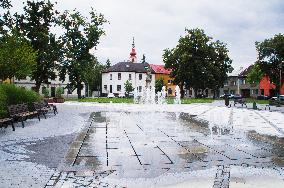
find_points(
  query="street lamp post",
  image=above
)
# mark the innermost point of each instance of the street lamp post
(280, 81)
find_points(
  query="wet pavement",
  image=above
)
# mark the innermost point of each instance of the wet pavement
(117, 145)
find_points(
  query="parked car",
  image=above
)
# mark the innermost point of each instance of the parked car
(262, 97)
(121, 95)
(110, 95)
(230, 96)
(237, 97)
(276, 98)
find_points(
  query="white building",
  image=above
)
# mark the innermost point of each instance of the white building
(52, 85)
(114, 78)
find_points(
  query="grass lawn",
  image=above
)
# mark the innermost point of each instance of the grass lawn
(130, 100)
(250, 100)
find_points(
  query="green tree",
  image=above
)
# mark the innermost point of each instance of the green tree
(128, 87)
(271, 57)
(35, 24)
(255, 74)
(79, 38)
(17, 57)
(198, 62)
(5, 16)
(93, 75)
(159, 84)
(108, 64)
(143, 60)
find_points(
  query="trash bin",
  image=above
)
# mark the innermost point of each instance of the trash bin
(226, 101)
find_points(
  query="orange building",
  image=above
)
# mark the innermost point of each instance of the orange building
(269, 89)
(161, 72)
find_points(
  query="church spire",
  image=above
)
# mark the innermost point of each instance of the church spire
(133, 43)
(133, 57)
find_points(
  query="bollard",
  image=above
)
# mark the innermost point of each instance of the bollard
(226, 101)
(254, 105)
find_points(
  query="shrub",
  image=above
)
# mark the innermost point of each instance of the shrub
(3, 100)
(45, 92)
(11, 94)
(59, 92)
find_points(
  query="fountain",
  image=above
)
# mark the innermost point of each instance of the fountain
(177, 99)
(148, 95)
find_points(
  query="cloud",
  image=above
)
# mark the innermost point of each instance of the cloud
(158, 24)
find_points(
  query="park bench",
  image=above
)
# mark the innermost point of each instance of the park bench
(241, 101)
(20, 112)
(51, 106)
(6, 121)
(43, 108)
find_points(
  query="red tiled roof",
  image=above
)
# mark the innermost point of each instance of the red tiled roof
(160, 69)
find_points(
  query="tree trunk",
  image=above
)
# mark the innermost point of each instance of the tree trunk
(195, 92)
(181, 91)
(79, 89)
(37, 86)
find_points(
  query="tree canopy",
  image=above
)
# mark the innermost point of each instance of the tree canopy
(79, 38)
(271, 57)
(128, 87)
(198, 62)
(159, 84)
(255, 75)
(35, 24)
(17, 57)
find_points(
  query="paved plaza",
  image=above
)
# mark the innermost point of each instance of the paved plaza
(119, 145)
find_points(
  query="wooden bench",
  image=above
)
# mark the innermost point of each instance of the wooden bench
(43, 108)
(240, 101)
(6, 121)
(51, 106)
(20, 112)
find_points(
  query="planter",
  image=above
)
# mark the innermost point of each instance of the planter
(49, 100)
(59, 100)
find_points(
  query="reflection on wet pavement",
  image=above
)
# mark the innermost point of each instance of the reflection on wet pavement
(148, 145)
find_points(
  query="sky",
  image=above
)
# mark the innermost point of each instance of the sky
(158, 24)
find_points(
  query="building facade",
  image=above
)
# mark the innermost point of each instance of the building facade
(114, 78)
(236, 84)
(164, 74)
(51, 85)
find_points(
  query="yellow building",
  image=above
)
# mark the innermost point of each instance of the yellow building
(161, 72)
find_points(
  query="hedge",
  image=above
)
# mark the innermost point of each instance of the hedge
(11, 94)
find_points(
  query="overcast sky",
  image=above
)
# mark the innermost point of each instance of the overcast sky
(158, 24)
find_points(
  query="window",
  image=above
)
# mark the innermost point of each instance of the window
(140, 88)
(118, 88)
(233, 83)
(43, 90)
(170, 91)
(119, 76)
(129, 78)
(110, 76)
(105, 87)
(151, 77)
(140, 77)
(254, 91)
(226, 83)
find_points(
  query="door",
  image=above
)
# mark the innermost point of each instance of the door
(52, 91)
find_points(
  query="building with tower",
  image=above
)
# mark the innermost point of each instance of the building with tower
(114, 78)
